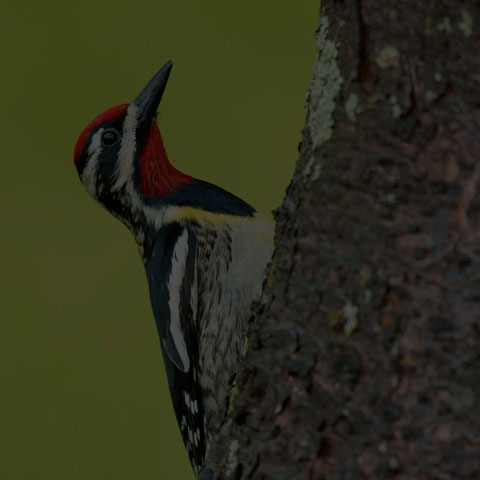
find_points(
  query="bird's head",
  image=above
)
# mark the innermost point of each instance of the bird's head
(120, 157)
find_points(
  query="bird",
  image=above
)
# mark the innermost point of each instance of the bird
(204, 250)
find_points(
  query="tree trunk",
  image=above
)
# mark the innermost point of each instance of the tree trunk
(364, 359)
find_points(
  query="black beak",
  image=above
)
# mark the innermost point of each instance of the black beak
(149, 98)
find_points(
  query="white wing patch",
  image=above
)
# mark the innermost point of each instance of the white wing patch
(177, 273)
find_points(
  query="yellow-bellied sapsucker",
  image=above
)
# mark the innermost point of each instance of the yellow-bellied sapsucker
(204, 252)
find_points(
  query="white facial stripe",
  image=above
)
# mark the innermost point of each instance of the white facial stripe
(126, 155)
(179, 260)
(89, 176)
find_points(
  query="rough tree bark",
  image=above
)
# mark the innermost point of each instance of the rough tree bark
(364, 360)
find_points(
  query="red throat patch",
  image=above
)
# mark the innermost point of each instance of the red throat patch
(158, 176)
(110, 114)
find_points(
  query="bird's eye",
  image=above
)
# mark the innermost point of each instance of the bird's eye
(110, 137)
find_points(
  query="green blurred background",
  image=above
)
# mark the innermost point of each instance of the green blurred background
(83, 392)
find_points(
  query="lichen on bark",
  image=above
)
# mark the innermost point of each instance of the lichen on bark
(320, 101)
(324, 87)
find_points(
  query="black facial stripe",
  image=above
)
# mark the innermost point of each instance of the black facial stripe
(83, 159)
(107, 165)
(141, 138)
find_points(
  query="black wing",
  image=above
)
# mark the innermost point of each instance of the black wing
(173, 293)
